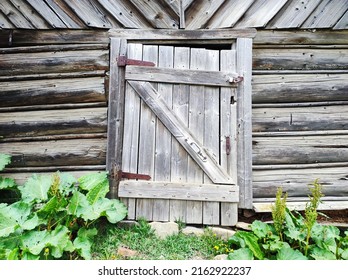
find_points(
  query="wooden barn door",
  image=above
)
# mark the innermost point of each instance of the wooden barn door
(179, 132)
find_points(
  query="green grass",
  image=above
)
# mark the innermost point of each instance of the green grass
(142, 239)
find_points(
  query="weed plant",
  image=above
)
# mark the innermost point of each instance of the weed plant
(292, 236)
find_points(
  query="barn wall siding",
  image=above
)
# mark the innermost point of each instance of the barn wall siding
(53, 106)
(53, 113)
(300, 105)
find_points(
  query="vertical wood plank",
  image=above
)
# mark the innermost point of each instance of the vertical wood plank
(163, 137)
(146, 161)
(132, 126)
(211, 132)
(244, 162)
(198, 61)
(115, 111)
(228, 128)
(179, 155)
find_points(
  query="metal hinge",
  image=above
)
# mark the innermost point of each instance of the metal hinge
(123, 61)
(119, 174)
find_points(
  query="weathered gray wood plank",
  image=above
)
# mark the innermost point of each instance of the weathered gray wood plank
(295, 181)
(179, 156)
(132, 126)
(166, 190)
(260, 13)
(244, 122)
(293, 14)
(45, 11)
(181, 133)
(147, 140)
(46, 62)
(300, 206)
(125, 13)
(52, 91)
(157, 14)
(229, 13)
(300, 149)
(315, 118)
(301, 58)
(205, 10)
(326, 14)
(116, 108)
(90, 13)
(211, 131)
(56, 153)
(15, 16)
(228, 131)
(52, 122)
(291, 88)
(163, 137)
(301, 37)
(179, 35)
(180, 76)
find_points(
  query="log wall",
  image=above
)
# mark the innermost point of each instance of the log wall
(300, 114)
(53, 107)
(53, 103)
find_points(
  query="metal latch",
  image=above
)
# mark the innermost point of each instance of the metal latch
(123, 61)
(118, 174)
(234, 80)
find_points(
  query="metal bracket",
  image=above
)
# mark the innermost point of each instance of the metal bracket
(234, 80)
(123, 61)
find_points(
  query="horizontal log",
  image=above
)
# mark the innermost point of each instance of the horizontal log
(56, 36)
(300, 118)
(54, 48)
(22, 177)
(296, 181)
(300, 149)
(53, 107)
(301, 37)
(181, 76)
(290, 88)
(178, 191)
(300, 206)
(54, 137)
(179, 35)
(52, 91)
(297, 59)
(48, 62)
(56, 153)
(42, 76)
(53, 122)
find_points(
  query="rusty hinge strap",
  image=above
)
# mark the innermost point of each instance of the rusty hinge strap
(123, 61)
(134, 176)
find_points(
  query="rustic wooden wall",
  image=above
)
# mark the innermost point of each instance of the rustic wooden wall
(53, 88)
(300, 113)
(53, 111)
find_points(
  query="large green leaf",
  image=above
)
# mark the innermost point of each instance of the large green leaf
(34, 241)
(241, 254)
(4, 160)
(260, 229)
(344, 254)
(67, 183)
(287, 253)
(294, 227)
(116, 212)
(251, 242)
(90, 180)
(36, 188)
(49, 207)
(7, 183)
(98, 191)
(322, 254)
(84, 241)
(58, 241)
(8, 225)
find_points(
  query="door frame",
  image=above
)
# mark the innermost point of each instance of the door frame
(118, 48)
